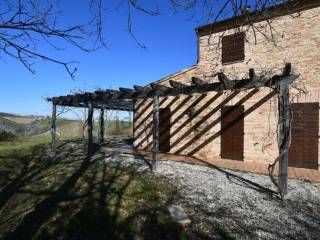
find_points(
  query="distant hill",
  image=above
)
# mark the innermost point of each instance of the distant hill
(23, 120)
(10, 126)
(2, 114)
(24, 126)
(13, 115)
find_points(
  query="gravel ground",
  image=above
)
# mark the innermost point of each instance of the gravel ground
(223, 206)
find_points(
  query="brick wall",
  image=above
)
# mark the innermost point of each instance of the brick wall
(294, 38)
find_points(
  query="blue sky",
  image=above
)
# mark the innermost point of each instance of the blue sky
(171, 46)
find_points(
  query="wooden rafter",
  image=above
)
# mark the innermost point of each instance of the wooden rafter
(122, 99)
(175, 84)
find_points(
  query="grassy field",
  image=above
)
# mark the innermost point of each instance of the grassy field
(46, 123)
(65, 195)
(116, 128)
(26, 126)
(24, 120)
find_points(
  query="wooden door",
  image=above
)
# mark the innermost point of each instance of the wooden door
(164, 129)
(232, 132)
(303, 151)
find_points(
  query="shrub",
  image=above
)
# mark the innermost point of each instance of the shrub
(6, 136)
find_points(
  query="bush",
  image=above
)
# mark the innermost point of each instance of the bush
(6, 136)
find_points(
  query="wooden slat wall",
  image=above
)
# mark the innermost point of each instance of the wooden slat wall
(164, 129)
(233, 48)
(303, 152)
(232, 137)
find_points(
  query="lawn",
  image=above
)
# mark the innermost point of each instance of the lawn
(66, 195)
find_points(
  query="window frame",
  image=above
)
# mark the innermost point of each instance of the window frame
(229, 54)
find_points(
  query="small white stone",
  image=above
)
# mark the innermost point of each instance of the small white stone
(179, 215)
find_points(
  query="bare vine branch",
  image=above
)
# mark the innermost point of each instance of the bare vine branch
(25, 24)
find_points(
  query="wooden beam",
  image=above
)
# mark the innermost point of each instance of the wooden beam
(101, 123)
(111, 91)
(53, 125)
(138, 88)
(159, 90)
(287, 69)
(223, 79)
(155, 139)
(176, 84)
(121, 105)
(284, 134)
(84, 126)
(126, 90)
(199, 86)
(156, 86)
(252, 73)
(90, 128)
(197, 81)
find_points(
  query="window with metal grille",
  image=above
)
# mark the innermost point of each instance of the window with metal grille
(233, 48)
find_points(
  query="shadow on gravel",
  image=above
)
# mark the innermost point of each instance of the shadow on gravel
(297, 217)
(236, 179)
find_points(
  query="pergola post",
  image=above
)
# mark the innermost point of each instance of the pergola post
(284, 121)
(53, 124)
(155, 140)
(89, 126)
(101, 123)
(84, 126)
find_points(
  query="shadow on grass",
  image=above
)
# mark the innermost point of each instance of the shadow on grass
(64, 195)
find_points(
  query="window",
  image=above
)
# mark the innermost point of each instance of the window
(233, 48)
(303, 151)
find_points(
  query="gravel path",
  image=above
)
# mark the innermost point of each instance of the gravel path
(226, 207)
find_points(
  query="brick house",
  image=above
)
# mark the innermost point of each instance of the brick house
(263, 41)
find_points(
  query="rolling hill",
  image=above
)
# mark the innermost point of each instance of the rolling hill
(25, 126)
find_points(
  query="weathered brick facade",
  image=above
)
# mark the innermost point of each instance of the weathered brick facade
(196, 120)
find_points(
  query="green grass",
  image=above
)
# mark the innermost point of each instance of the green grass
(62, 195)
(123, 128)
(46, 123)
(22, 144)
(73, 128)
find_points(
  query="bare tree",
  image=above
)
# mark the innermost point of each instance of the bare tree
(203, 11)
(26, 24)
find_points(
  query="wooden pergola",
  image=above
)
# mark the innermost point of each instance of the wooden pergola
(124, 98)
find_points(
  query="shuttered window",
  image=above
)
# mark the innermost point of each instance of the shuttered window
(232, 132)
(303, 151)
(233, 48)
(164, 129)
